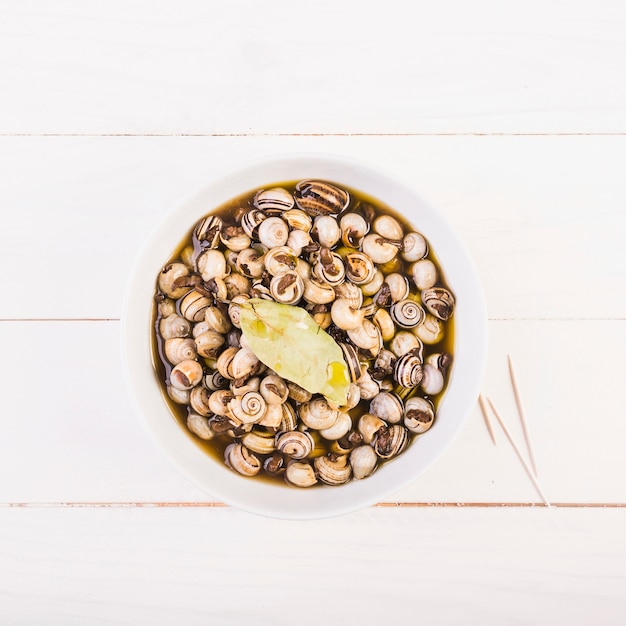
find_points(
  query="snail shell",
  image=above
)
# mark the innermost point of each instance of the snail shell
(199, 426)
(354, 397)
(407, 313)
(250, 222)
(174, 326)
(326, 231)
(209, 344)
(235, 238)
(424, 274)
(353, 228)
(363, 460)
(212, 264)
(273, 201)
(214, 381)
(414, 247)
(242, 460)
(300, 474)
(316, 292)
(298, 220)
(273, 232)
(167, 278)
(419, 414)
(298, 394)
(367, 337)
(369, 425)
(250, 263)
(320, 198)
(385, 324)
(329, 268)
(217, 320)
(167, 307)
(385, 362)
(391, 441)
(248, 409)
(345, 316)
(318, 414)
(273, 417)
(239, 386)
(186, 374)
(208, 229)
(333, 469)
(179, 396)
(398, 286)
(368, 386)
(372, 287)
(297, 240)
(438, 302)
(244, 363)
(430, 331)
(340, 428)
(432, 381)
(408, 371)
(279, 260)
(359, 268)
(379, 249)
(387, 406)
(224, 362)
(236, 284)
(289, 419)
(199, 400)
(404, 342)
(259, 441)
(179, 349)
(351, 358)
(388, 227)
(218, 401)
(274, 389)
(287, 288)
(295, 443)
(349, 291)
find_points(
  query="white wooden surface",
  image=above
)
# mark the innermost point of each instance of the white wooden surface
(511, 121)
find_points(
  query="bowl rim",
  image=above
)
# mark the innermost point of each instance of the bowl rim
(276, 500)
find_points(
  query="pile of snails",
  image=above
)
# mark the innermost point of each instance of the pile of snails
(365, 277)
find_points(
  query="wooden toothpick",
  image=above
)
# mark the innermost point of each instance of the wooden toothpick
(518, 452)
(522, 417)
(485, 412)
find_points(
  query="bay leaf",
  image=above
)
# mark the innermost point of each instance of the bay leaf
(289, 341)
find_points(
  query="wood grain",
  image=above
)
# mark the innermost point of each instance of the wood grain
(382, 565)
(318, 67)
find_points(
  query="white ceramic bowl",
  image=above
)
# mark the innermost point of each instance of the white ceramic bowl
(263, 497)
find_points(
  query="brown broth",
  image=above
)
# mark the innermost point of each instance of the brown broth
(216, 446)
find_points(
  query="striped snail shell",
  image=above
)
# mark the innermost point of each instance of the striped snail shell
(439, 302)
(408, 371)
(320, 198)
(333, 469)
(390, 442)
(407, 313)
(273, 201)
(242, 460)
(295, 443)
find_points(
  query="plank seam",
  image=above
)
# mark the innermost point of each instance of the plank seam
(399, 505)
(356, 134)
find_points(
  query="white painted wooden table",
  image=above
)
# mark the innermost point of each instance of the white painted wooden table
(510, 119)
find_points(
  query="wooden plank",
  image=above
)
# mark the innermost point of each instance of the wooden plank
(69, 432)
(445, 566)
(542, 217)
(243, 67)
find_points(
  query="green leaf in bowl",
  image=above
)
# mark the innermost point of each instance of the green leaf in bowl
(289, 341)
